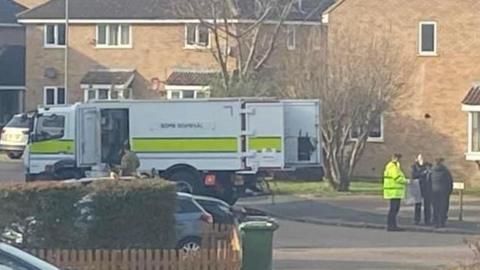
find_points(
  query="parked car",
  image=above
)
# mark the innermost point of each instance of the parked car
(12, 258)
(190, 219)
(14, 136)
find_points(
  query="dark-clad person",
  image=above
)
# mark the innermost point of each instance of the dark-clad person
(421, 171)
(442, 186)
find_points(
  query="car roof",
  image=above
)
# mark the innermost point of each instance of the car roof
(205, 198)
(22, 255)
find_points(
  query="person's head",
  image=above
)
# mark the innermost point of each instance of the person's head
(396, 157)
(439, 161)
(419, 159)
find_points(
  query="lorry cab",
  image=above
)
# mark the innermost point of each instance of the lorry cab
(51, 142)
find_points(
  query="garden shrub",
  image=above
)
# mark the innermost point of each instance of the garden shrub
(108, 214)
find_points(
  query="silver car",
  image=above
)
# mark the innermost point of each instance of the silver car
(14, 135)
(12, 258)
(191, 219)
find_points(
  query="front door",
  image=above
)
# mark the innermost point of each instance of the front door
(88, 137)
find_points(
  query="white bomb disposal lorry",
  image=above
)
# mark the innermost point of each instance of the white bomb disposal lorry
(217, 146)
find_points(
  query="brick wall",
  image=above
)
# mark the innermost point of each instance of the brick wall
(437, 84)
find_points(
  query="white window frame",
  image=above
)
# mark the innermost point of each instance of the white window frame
(291, 30)
(420, 39)
(119, 36)
(55, 33)
(471, 155)
(380, 139)
(97, 88)
(55, 95)
(197, 45)
(180, 88)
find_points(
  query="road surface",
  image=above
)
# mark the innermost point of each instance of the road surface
(10, 170)
(300, 246)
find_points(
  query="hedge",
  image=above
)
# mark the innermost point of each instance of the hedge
(106, 214)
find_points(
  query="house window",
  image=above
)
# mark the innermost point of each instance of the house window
(54, 35)
(196, 36)
(105, 94)
(291, 39)
(428, 38)
(375, 135)
(114, 36)
(475, 132)
(187, 94)
(54, 95)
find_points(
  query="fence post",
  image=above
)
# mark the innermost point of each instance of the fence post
(460, 186)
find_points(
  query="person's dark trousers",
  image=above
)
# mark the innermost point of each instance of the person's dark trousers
(440, 201)
(392, 214)
(418, 213)
(447, 207)
(427, 211)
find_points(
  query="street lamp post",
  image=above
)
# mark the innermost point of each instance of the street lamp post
(66, 52)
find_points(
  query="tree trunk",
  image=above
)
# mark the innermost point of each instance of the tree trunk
(344, 185)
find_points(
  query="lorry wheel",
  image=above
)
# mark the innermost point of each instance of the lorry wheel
(188, 175)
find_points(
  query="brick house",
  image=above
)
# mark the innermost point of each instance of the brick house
(129, 49)
(441, 37)
(12, 61)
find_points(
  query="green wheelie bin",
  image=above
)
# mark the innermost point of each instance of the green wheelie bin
(257, 244)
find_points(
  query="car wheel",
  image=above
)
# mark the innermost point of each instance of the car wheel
(14, 155)
(190, 245)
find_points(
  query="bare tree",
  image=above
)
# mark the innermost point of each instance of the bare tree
(357, 80)
(244, 34)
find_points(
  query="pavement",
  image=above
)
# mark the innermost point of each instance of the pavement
(11, 170)
(305, 246)
(362, 212)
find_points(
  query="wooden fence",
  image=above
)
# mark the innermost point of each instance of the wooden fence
(220, 251)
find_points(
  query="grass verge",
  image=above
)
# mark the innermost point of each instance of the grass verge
(323, 189)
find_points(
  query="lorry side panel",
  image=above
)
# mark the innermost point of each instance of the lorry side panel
(205, 135)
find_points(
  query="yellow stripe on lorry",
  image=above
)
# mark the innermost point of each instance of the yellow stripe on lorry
(185, 145)
(260, 144)
(53, 147)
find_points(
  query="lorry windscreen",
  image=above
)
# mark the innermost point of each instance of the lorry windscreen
(49, 127)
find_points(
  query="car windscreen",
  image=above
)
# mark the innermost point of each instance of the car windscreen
(19, 122)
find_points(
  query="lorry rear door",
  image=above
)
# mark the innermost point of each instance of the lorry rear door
(87, 137)
(264, 140)
(302, 133)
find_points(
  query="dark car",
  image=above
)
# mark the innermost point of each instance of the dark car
(221, 211)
